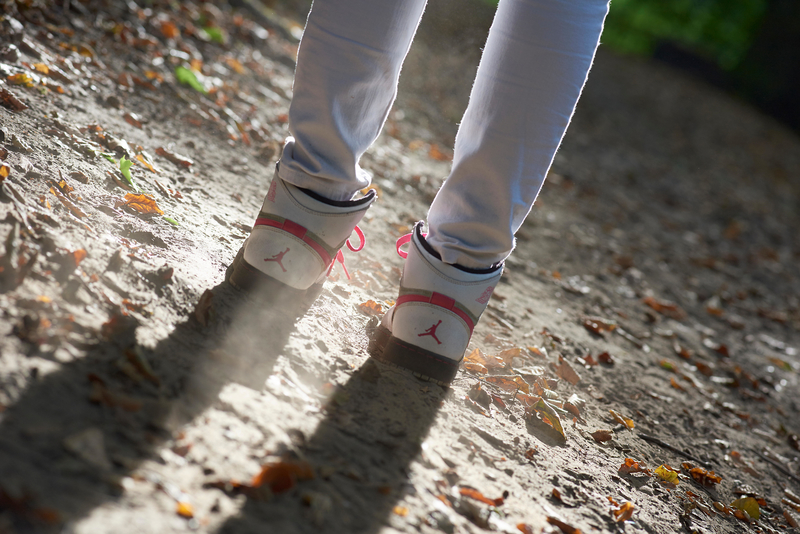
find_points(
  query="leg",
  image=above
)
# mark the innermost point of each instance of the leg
(534, 66)
(346, 81)
(530, 77)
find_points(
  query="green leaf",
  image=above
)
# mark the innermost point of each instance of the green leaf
(171, 220)
(187, 77)
(109, 157)
(125, 168)
(215, 34)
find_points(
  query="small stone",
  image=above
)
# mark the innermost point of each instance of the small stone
(19, 144)
(89, 446)
(9, 53)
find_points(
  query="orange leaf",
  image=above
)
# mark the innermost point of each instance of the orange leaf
(509, 383)
(632, 466)
(169, 30)
(478, 496)
(438, 154)
(5, 170)
(606, 358)
(563, 527)
(666, 307)
(282, 476)
(78, 256)
(184, 509)
(144, 161)
(141, 203)
(628, 423)
(370, 307)
(624, 513)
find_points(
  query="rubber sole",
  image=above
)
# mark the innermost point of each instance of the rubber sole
(423, 364)
(247, 278)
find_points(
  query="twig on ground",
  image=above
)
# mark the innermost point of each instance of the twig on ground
(665, 445)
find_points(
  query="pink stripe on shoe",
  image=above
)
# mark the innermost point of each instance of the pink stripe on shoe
(298, 231)
(437, 299)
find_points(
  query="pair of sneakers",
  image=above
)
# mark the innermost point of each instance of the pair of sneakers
(298, 237)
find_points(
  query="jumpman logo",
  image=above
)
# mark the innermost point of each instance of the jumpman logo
(432, 332)
(278, 258)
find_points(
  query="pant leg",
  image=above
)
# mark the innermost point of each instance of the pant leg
(534, 66)
(345, 83)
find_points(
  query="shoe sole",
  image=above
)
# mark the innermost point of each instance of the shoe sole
(247, 278)
(423, 364)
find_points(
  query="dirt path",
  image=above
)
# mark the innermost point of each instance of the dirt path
(656, 278)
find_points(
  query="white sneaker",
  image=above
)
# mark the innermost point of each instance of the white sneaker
(429, 327)
(296, 239)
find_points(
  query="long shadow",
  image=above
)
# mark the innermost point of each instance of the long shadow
(126, 401)
(361, 453)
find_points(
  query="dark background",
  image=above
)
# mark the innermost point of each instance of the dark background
(748, 48)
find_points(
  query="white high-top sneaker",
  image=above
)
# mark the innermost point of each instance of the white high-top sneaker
(430, 325)
(296, 239)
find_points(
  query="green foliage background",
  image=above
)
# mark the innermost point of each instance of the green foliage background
(719, 30)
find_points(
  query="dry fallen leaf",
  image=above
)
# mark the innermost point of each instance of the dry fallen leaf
(667, 474)
(184, 509)
(564, 370)
(438, 153)
(598, 325)
(628, 423)
(702, 476)
(602, 436)
(478, 496)
(283, 475)
(749, 505)
(174, 158)
(632, 466)
(75, 210)
(147, 161)
(563, 527)
(133, 120)
(606, 358)
(202, 311)
(790, 518)
(511, 383)
(10, 100)
(547, 415)
(371, 308)
(170, 30)
(666, 307)
(141, 203)
(624, 512)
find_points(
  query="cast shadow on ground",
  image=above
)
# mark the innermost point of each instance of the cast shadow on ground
(362, 452)
(362, 449)
(43, 484)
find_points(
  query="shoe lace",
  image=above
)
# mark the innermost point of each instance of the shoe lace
(402, 241)
(340, 257)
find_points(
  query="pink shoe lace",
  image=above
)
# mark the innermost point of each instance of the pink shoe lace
(340, 257)
(402, 241)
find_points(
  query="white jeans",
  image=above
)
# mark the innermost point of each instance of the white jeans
(533, 68)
